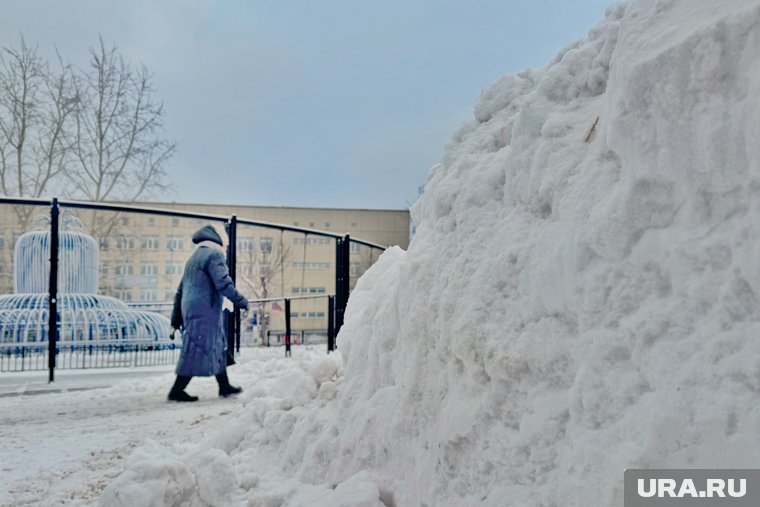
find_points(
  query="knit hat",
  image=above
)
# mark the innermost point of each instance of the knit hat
(207, 233)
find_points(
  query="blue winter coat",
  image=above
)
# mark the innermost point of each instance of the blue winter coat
(199, 299)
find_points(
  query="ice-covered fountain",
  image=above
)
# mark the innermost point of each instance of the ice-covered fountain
(83, 314)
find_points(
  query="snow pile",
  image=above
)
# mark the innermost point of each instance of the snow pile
(582, 295)
(231, 463)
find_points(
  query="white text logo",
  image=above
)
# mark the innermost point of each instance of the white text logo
(715, 488)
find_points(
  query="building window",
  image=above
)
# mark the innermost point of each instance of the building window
(245, 269)
(294, 315)
(124, 220)
(150, 242)
(103, 269)
(152, 221)
(124, 269)
(148, 294)
(2, 240)
(353, 225)
(311, 241)
(353, 269)
(149, 269)
(125, 243)
(175, 222)
(245, 244)
(173, 268)
(104, 243)
(266, 244)
(123, 294)
(175, 243)
(309, 290)
(355, 247)
(327, 225)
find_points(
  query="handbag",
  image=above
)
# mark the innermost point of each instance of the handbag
(230, 337)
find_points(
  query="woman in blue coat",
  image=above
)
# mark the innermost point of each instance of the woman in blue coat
(198, 311)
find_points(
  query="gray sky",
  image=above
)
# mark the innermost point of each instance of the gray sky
(309, 103)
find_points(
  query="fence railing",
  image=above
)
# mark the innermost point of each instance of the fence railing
(289, 336)
(302, 337)
(88, 354)
(133, 348)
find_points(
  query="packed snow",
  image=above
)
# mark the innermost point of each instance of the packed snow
(582, 296)
(65, 442)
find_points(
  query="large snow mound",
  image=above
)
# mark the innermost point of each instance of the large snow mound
(582, 294)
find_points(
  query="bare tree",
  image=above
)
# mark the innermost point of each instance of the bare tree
(93, 133)
(36, 107)
(101, 127)
(265, 267)
(118, 146)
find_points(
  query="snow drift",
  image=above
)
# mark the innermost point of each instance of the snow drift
(582, 295)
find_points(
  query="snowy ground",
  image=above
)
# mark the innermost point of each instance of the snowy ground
(64, 447)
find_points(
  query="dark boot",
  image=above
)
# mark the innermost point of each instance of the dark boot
(178, 390)
(225, 389)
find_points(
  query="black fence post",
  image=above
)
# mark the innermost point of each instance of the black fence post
(342, 273)
(330, 323)
(53, 290)
(287, 328)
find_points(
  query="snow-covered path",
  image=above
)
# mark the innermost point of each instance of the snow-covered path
(63, 448)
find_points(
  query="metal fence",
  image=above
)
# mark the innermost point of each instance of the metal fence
(100, 354)
(288, 335)
(50, 340)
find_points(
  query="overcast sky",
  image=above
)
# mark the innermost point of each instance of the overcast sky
(309, 103)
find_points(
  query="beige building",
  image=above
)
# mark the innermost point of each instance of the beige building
(142, 256)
